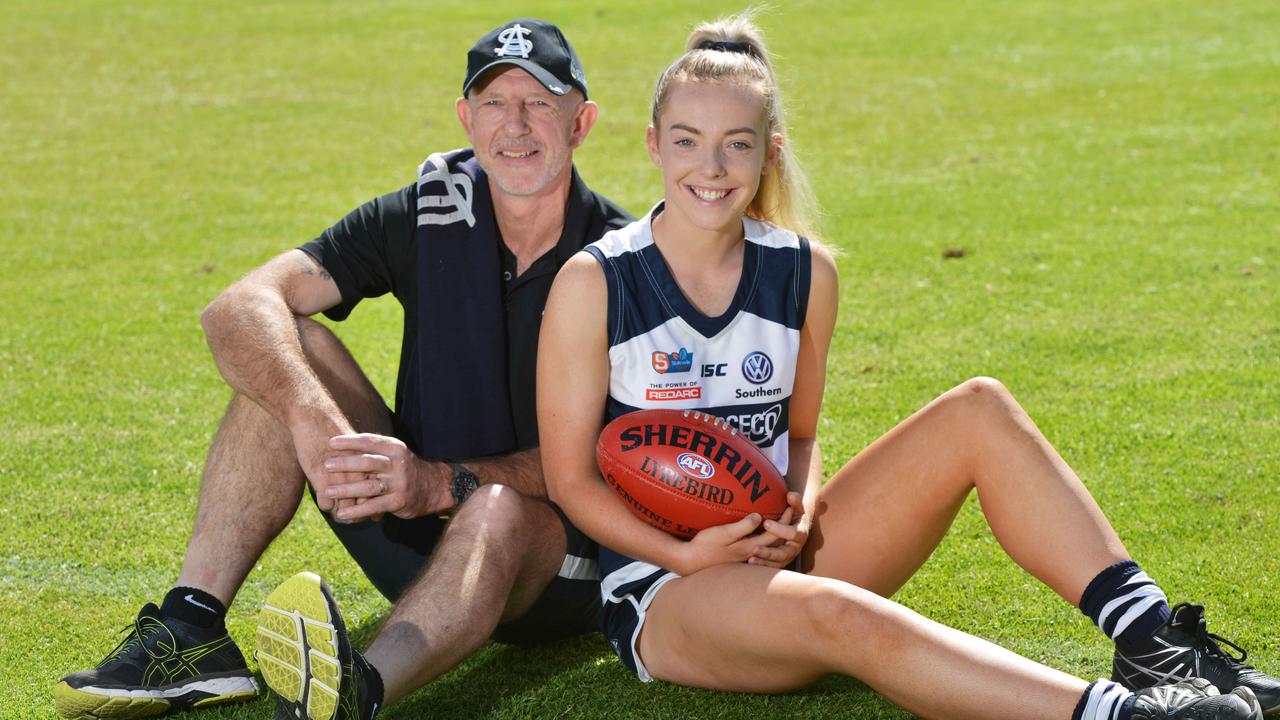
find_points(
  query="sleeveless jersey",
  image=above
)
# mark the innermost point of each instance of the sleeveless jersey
(664, 353)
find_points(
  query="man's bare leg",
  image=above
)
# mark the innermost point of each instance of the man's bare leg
(497, 556)
(252, 479)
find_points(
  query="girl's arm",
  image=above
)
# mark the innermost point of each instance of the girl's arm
(573, 384)
(804, 468)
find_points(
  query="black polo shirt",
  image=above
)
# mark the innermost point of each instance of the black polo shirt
(372, 251)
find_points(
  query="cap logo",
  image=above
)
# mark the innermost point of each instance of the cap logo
(513, 42)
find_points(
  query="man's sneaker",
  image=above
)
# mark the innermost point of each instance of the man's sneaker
(163, 664)
(1195, 700)
(306, 657)
(1183, 648)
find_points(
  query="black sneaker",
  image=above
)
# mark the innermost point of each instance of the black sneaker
(163, 664)
(1195, 700)
(306, 658)
(1184, 648)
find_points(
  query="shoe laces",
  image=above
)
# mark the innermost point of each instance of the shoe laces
(148, 632)
(1190, 619)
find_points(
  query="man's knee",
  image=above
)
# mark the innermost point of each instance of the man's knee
(497, 510)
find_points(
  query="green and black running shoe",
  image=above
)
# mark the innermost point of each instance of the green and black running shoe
(163, 664)
(306, 657)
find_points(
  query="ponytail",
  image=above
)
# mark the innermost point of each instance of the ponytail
(732, 50)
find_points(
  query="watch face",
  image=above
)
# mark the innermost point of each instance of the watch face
(464, 483)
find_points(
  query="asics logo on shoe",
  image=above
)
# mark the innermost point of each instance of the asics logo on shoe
(159, 666)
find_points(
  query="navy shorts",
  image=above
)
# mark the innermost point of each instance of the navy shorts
(393, 551)
(627, 588)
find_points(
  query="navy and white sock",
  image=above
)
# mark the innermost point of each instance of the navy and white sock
(1125, 603)
(1104, 700)
(194, 607)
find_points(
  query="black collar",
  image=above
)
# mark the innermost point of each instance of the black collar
(577, 219)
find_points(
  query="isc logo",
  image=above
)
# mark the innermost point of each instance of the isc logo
(714, 370)
(696, 465)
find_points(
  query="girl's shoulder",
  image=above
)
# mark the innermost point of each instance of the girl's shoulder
(770, 235)
(628, 239)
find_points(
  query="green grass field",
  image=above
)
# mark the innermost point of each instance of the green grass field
(1110, 171)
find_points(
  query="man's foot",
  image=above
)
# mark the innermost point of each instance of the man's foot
(163, 664)
(306, 657)
(1183, 648)
(1195, 699)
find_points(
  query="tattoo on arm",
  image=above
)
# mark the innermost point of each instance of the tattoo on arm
(310, 265)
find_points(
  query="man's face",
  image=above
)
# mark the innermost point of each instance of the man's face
(523, 134)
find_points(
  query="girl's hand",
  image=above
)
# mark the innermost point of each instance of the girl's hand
(734, 542)
(787, 536)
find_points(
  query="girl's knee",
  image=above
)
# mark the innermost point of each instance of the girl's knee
(838, 612)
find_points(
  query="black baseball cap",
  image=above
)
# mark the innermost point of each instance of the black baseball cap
(535, 46)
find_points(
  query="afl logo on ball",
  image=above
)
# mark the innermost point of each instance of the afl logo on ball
(696, 465)
(757, 368)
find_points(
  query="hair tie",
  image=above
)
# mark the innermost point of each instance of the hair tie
(724, 46)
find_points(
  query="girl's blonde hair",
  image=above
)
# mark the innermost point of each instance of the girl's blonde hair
(732, 50)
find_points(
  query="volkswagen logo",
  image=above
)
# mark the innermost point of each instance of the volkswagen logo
(757, 368)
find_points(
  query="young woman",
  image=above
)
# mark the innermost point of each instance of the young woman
(717, 294)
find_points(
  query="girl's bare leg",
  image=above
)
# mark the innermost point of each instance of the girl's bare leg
(881, 516)
(753, 629)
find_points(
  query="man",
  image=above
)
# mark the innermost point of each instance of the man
(469, 250)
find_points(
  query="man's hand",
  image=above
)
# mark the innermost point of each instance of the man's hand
(381, 475)
(311, 443)
(789, 533)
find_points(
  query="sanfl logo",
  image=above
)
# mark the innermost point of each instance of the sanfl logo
(513, 42)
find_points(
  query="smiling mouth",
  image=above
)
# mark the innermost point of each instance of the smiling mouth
(710, 194)
(517, 154)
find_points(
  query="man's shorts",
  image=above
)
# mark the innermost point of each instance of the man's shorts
(393, 551)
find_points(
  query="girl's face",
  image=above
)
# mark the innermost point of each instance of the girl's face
(713, 145)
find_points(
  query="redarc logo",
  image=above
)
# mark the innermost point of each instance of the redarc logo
(757, 368)
(676, 362)
(681, 393)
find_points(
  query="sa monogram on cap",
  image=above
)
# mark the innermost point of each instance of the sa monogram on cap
(514, 42)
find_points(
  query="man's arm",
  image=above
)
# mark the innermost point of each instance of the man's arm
(252, 329)
(521, 471)
(396, 481)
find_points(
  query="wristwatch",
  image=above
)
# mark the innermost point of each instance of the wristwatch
(464, 482)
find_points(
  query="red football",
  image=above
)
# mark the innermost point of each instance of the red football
(682, 470)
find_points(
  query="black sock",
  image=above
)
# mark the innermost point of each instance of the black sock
(194, 607)
(372, 682)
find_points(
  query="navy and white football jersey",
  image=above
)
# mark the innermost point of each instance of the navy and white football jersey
(664, 353)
